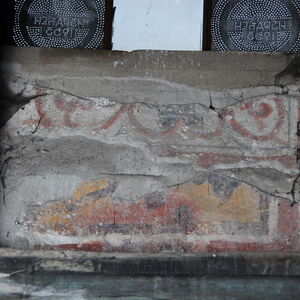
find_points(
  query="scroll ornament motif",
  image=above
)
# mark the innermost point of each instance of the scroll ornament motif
(261, 119)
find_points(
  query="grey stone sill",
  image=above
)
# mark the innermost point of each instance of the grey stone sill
(162, 264)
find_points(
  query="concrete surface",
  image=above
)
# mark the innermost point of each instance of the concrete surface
(90, 275)
(150, 151)
(45, 286)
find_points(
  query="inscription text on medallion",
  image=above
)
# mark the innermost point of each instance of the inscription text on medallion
(260, 30)
(59, 26)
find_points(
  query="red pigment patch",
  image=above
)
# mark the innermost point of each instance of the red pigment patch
(288, 218)
(225, 246)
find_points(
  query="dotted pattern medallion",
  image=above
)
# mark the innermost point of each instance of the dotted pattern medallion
(256, 25)
(59, 23)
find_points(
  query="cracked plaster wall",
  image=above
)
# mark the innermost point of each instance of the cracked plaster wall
(149, 151)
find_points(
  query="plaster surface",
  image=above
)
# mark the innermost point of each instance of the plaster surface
(150, 151)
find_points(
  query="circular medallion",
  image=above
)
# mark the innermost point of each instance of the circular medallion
(256, 25)
(59, 23)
